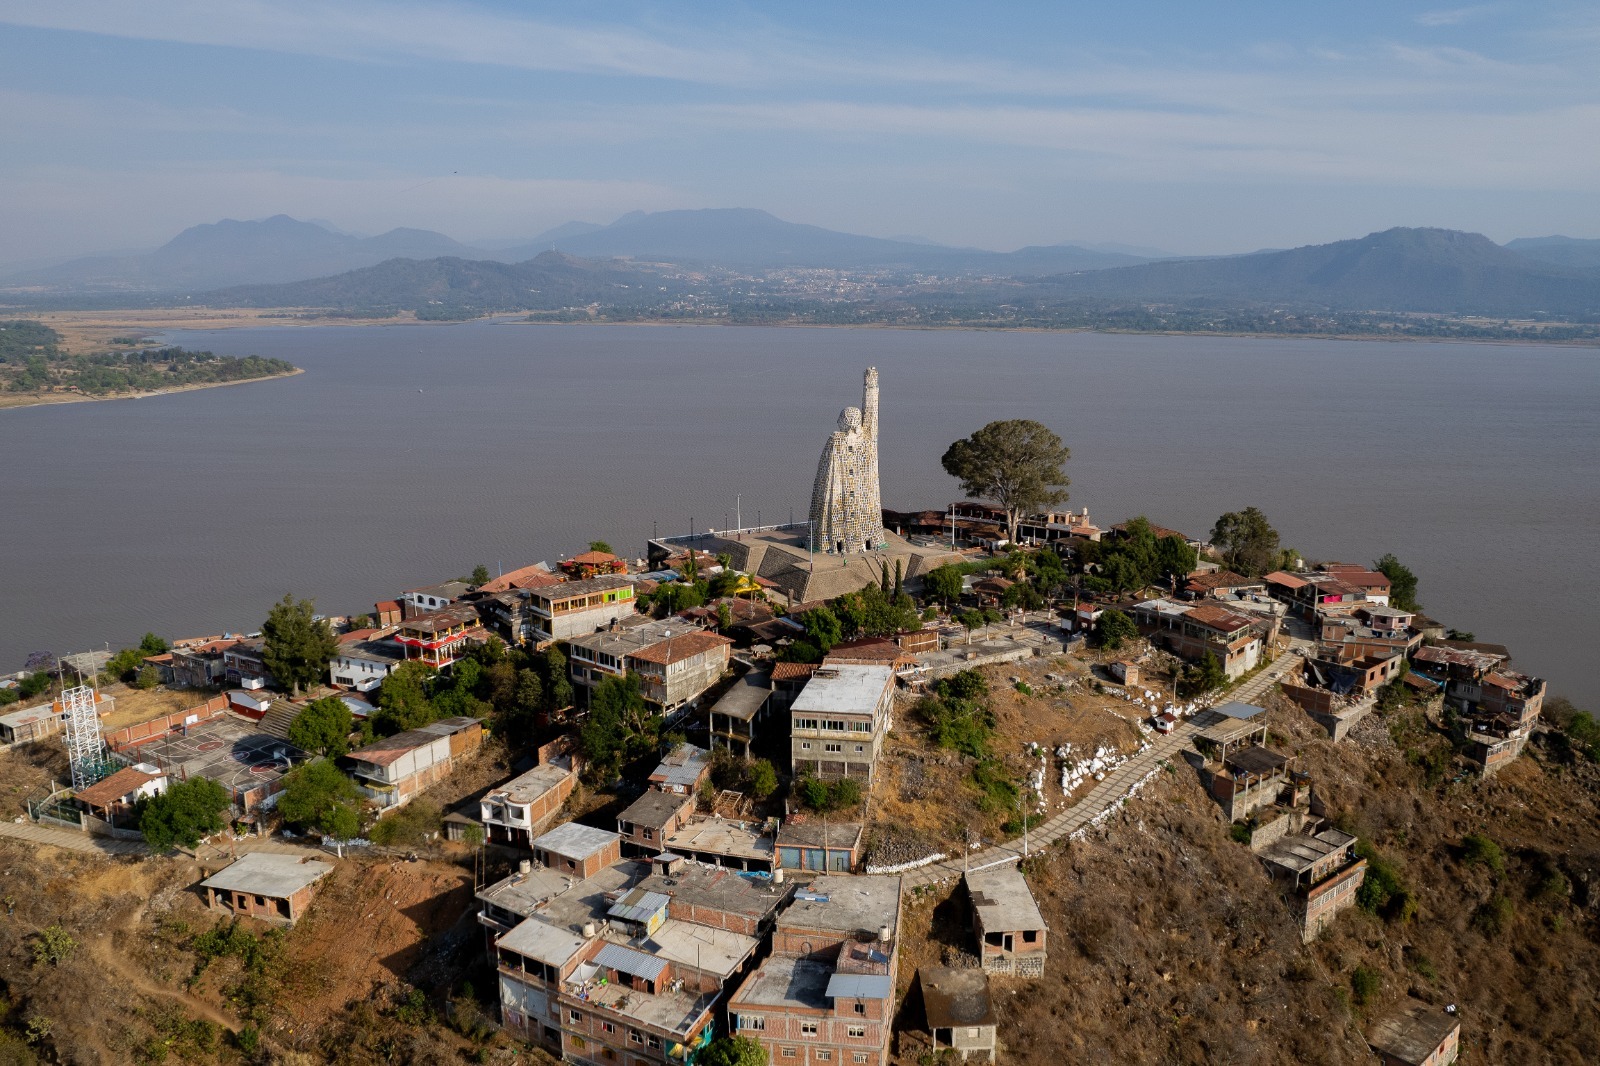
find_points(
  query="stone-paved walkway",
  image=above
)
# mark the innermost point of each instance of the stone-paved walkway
(1103, 797)
(71, 840)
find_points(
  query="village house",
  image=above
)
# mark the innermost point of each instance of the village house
(111, 800)
(539, 575)
(1237, 768)
(736, 845)
(1010, 930)
(421, 601)
(577, 608)
(627, 966)
(820, 845)
(272, 888)
(242, 663)
(387, 613)
(1320, 867)
(394, 770)
(361, 665)
(733, 720)
(838, 722)
(675, 662)
(1221, 584)
(825, 996)
(438, 638)
(507, 614)
(576, 850)
(959, 1011)
(1418, 1035)
(514, 813)
(1190, 631)
(649, 820)
(200, 665)
(879, 651)
(586, 565)
(31, 723)
(682, 771)
(1496, 707)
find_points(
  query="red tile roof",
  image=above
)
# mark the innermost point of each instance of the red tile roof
(124, 781)
(792, 671)
(594, 559)
(528, 577)
(1218, 618)
(685, 647)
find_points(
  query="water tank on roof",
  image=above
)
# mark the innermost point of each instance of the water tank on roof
(883, 934)
(525, 867)
(588, 931)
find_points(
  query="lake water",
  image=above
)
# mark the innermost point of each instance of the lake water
(405, 455)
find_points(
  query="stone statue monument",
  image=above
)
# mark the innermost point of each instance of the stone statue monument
(846, 513)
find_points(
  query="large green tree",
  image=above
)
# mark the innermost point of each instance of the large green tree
(323, 727)
(298, 645)
(183, 814)
(735, 1050)
(1247, 541)
(1016, 463)
(318, 795)
(1113, 627)
(943, 583)
(619, 726)
(403, 701)
(1402, 582)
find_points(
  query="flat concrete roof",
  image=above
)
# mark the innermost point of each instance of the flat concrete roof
(733, 839)
(746, 698)
(952, 997)
(1412, 1034)
(1002, 899)
(715, 888)
(840, 903)
(264, 874)
(717, 951)
(540, 940)
(845, 688)
(674, 1012)
(575, 840)
(525, 788)
(820, 835)
(785, 981)
(654, 809)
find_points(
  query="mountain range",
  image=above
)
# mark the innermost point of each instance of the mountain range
(641, 257)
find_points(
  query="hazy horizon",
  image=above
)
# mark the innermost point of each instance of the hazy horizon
(1198, 131)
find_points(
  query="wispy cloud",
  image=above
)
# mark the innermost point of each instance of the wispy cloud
(1455, 16)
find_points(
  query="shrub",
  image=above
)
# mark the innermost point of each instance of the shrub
(185, 812)
(1365, 984)
(1494, 917)
(410, 825)
(813, 793)
(54, 946)
(1240, 832)
(763, 779)
(1383, 892)
(846, 793)
(1479, 850)
(147, 678)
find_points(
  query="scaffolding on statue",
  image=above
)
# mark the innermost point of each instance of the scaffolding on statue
(85, 748)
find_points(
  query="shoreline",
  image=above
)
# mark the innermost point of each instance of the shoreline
(6, 403)
(91, 329)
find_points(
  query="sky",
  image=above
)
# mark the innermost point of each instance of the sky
(1193, 127)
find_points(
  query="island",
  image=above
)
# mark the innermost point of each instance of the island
(36, 367)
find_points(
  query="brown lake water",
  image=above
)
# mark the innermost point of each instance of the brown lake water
(405, 455)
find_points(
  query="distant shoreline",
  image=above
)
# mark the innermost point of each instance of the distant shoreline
(14, 401)
(92, 329)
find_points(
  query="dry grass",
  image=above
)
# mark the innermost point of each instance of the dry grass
(135, 705)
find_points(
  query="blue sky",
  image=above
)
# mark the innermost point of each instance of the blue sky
(1195, 127)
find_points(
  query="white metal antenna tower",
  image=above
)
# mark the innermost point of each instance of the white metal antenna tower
(85, 749)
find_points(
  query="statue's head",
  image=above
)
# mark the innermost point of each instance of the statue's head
(850, 419)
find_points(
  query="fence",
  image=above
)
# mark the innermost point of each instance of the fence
(134, 734)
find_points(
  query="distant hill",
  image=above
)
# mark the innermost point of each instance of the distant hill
(229, 252)
(1431, 270)
(551, 280)
(1566, 251)
(744, 238)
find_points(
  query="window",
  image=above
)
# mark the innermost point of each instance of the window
(833, 747)
(808, 1028)
(653, 1041)
(860, 748)
(579, 1042)
(861, 1008)
(972, 1032)
(860, 1056)
(834, 726)
(649, 834)
(607, 1054)
(574, 1017)
(635, 1036)
(858, 1030)
(607, 1027)
(824, 1056)
(752, 1022)
(805, 745)
(860, 727)
(787, 1052)
(1030, 936)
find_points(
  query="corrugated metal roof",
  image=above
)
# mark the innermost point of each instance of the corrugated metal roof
(1239, 710)
(859, 986)
(626, 960)
(639, 906)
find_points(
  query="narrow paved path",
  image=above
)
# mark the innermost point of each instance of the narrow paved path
(1103, 797)
(1257, 687)
(71, 840)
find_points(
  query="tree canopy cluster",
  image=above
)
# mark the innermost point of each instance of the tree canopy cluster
(619, 728)
(1402, 582)
(318, 796)
(297, 645)
(31, 360)
(1137, 558)
(182, 815)
(1247, 542)
(521, 691)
